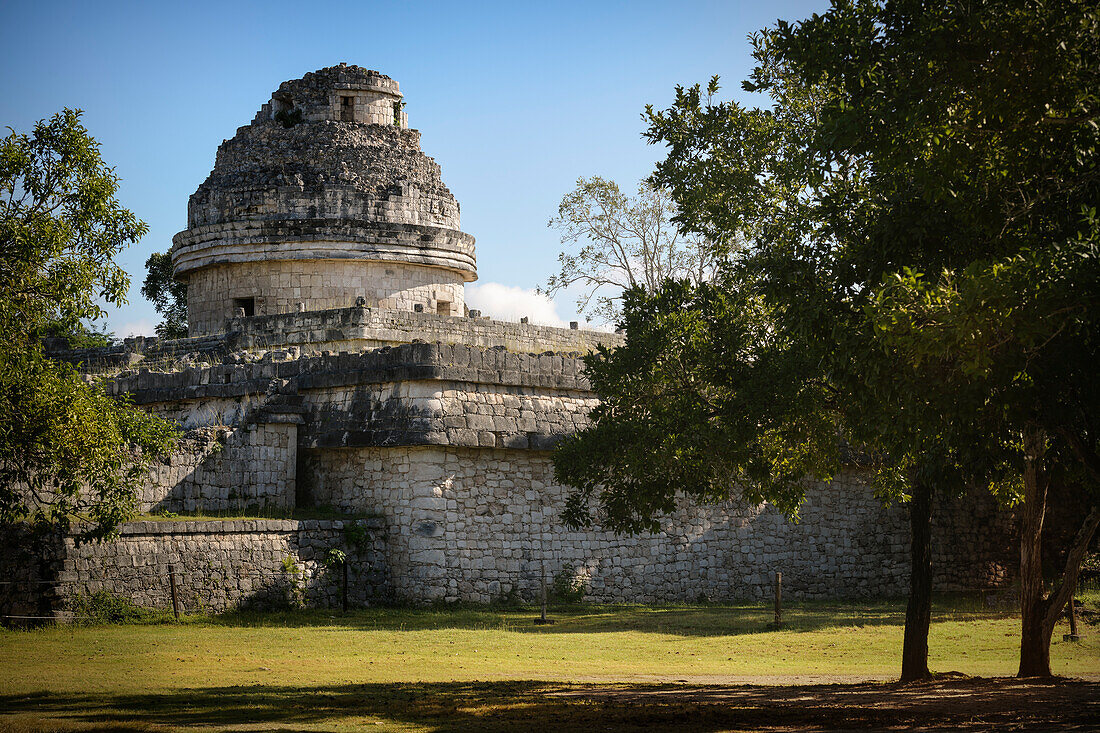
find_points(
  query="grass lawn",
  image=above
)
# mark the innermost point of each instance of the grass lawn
(420, 669)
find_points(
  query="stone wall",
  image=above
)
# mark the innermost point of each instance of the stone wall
(475, 524)
(279, 286)
(247, 469)
(356, 329)
(449, 444)
(337, 330)
(219, 565)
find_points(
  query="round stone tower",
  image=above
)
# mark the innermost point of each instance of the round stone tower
(325, 198)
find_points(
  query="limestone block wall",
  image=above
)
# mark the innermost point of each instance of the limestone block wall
(473, 524)
(248, 468)
(370, 107)
(335, 330)
(219, 565)
(356, 329)
(278, 287)
(441, 412)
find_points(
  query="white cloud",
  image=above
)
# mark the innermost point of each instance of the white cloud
(510, 303)
(140, 327)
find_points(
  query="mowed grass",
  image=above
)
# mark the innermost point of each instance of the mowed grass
(416, 669)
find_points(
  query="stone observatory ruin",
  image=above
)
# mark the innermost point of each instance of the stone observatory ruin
(333, 371)
(324, 201)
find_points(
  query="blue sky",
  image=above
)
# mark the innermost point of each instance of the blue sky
(513, 100)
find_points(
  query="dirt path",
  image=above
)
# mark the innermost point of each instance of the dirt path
(1003, 704)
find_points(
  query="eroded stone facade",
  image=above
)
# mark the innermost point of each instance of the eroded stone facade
(321, 284)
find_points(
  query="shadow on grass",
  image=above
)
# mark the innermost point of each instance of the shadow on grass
(519, 705)
(697, 620)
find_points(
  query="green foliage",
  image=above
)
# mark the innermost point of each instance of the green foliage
(168, 295)
(295, 593)
(622, 242)
(67, 450)
(568, 586)
(60, 228)
(104, 607)
(917, 200)
(334, 559)
(701, 400)
(357, 536)
(81, 336)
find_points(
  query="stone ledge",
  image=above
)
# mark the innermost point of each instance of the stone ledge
(409, 362)
(320, 239)
(242, 526)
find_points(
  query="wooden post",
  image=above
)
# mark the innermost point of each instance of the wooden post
(1072, 611)
(778, 600)
(542, 581)
(542, 621)
(344, 589)
(175, 596)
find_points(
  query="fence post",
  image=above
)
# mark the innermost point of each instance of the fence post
(542, 620)
(778, 599)
(1072, 611)
(175, 597)
(344, 590)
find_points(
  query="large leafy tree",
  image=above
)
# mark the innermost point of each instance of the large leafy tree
(903, 139)
(985, 120)
(67, 450)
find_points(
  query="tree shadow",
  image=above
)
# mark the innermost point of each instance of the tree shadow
(518, 705)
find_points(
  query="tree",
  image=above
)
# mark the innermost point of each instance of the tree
(67, 450)
(168, 295)
(625, 242)
(701, 400)
(989, 115)
(890, 148)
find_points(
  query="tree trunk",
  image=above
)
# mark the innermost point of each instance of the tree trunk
(1040, 614)
(1034, 639)
(918, 612)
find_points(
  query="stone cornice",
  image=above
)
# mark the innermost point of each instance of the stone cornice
(323, 239)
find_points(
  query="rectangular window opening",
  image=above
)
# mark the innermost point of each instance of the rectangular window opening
(443, 308)
(246, 304)
(347, 109)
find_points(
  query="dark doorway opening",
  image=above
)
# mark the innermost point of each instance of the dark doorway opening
(247, 304)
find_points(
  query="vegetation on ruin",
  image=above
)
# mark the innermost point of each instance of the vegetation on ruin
(476, 667)
(67, 450)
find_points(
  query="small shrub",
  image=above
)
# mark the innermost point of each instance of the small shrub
(288, 118)
(569, 586)
(334, 559)
(295, 594)
(104, 607)
(357, 536)
(510, 599)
